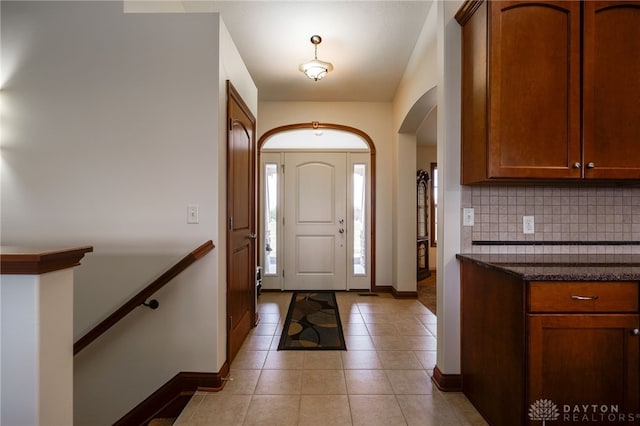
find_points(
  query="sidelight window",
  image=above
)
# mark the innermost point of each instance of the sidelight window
(271, 219)
(359, 219)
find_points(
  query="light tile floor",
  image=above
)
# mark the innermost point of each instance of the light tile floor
(384, 378)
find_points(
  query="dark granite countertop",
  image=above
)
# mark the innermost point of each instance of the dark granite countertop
(562, 267)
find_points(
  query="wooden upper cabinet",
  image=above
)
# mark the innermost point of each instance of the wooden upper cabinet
(534, 80)
(611, 91)
(523, 92)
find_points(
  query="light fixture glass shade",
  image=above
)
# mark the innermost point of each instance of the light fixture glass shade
(316, 69)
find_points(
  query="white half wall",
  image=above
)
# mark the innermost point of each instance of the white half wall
(36, 333)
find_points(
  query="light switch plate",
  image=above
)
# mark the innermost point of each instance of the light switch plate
(468, 218)
(192, 214)
(528, 226)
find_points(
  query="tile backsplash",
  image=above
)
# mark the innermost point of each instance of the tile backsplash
(579, 217)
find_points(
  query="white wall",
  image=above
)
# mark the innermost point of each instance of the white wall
(449, 195)
(372, 118)
(436, 64)
(421, 74)
(110, 129)
(405, 214)
(411, 104)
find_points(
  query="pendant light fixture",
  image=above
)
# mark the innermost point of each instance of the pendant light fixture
(316, 69)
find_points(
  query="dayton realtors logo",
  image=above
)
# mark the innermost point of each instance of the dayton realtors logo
(543, 409)
(546, 410)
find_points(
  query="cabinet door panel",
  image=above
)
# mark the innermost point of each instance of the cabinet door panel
(577, 360)
(612, 89)
(534, 100)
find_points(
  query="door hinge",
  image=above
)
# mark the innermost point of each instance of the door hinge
(230, 124)
(283, 273)
(230, 323)
(230, 223)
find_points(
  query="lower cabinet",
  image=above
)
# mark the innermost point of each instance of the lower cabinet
(583, 369)
(562, 352)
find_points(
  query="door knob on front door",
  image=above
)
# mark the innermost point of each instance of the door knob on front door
(252, 236)
(341, 230)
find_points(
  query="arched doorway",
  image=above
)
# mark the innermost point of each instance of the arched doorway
(317, 208)
(420, 124)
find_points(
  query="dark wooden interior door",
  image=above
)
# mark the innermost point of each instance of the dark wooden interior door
(241, 200)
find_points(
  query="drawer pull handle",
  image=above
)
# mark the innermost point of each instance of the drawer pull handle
(635, 332)
(584, 297)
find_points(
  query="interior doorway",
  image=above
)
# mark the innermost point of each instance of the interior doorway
(316, 208)
(422, 121)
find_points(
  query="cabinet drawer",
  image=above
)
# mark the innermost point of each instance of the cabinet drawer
(587, 296)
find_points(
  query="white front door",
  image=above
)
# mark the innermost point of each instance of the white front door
(315, 215)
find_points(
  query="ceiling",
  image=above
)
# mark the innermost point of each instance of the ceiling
(368, 42)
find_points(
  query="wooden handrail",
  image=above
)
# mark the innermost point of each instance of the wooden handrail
(142, 296)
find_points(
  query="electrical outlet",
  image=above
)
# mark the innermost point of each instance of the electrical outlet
(528, 226)
(468, 217)
(192, 214)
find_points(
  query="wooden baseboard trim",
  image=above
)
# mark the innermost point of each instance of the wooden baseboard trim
(404, 294)
(447, 382)
(173, 396)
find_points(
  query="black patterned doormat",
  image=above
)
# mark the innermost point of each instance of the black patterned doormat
(312, 323)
